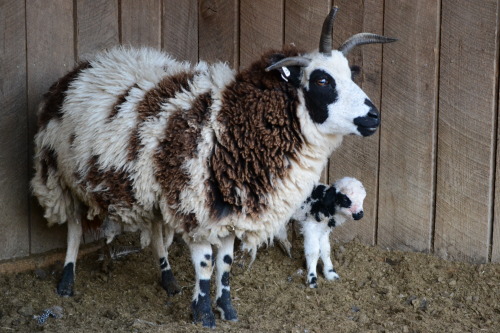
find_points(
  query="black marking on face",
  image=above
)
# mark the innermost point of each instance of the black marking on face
(65, 286)
(227, 259)
(321, 93)
(367, 124)
(318, 192)
(225, 279)
(343, 200)
(163, 263)
(358, 216)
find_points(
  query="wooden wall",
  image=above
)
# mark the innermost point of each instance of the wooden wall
(432, 171)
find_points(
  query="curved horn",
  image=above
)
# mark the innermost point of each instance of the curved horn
(363, 38)
(291, 61)
(325, 42)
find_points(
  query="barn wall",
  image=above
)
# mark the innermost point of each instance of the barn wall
(431, 172)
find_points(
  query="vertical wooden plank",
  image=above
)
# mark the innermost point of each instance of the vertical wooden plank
(358, 157)
(14, 204)
(261, 28)
(97, 26)
(180, 29)
(141, 23)
(495, 251)
(50, 54)
(467, 101)
(407, 136)
(218, 31)
(303, 22)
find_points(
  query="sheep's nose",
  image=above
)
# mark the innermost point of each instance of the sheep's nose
(358, 216)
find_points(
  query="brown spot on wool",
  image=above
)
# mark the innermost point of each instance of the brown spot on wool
(182, 135)
(119, 101)
(54, 98)
(261, 132)
(48, 161)
(117, 186)
(150, 105)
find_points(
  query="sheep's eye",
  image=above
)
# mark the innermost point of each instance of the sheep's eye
(322, 82)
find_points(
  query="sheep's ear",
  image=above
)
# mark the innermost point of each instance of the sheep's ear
(355, 71)
(291, 74)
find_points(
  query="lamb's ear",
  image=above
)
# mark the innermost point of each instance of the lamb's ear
(330, 196)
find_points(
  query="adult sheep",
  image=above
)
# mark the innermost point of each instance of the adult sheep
(134, 137)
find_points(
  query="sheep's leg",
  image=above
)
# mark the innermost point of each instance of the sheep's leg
(324, 251)
(311, 251)
(201, 255)
(283, 242)
(160, 249)
(65, 286)
(223, 264)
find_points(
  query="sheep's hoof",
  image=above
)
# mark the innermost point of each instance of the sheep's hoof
(169, 283)
(331, 275)
(224, 306)
(65, 286)
(313, 282)
(203, 314)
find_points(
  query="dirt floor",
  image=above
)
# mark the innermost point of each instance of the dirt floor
(379, 291)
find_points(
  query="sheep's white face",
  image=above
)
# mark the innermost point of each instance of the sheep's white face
(335, 103)
(350, 197)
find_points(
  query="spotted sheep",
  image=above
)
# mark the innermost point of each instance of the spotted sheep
(327, 207)
(135, 138)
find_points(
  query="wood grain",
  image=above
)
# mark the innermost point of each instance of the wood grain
(467, 114)
(218, 31)
(357, 156)
(261, 28)
(50, 54)
(97, 26)
(141, 23)
(495, 250)
(14, 172)
(180, 29)
(407, 136)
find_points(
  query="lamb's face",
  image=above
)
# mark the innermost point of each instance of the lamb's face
(350, 197)
(334, 102)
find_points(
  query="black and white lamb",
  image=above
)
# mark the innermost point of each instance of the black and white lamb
(136, 138)
(327, 207)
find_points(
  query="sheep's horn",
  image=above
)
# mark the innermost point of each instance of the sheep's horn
(363, 38)
(326, 40)
(291, 61)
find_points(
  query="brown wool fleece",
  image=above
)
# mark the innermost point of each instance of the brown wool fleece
(261, 132)
(117, 184)
(119, 101)
(180, 144)
(150, 105)
(54, 98)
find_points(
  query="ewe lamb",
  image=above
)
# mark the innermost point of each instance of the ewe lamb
(137, 138)
(326, 208)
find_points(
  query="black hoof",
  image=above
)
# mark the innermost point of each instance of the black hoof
(227, 312)
(65, 286)
(204, 314)
(169, 283)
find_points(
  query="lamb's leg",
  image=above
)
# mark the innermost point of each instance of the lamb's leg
(311, 251)
(201, 255)
(283, 242)
(65, 286)
(160, 249)
(223, 264)
(325, 249)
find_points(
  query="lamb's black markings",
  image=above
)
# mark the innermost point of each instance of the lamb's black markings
(343, 200)
(163, 263)
(332, 223)
(207, 256)
(321, 93)
(65, 286)
(168, 281)
(324, 201)
(203, 264)
(202, 309)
